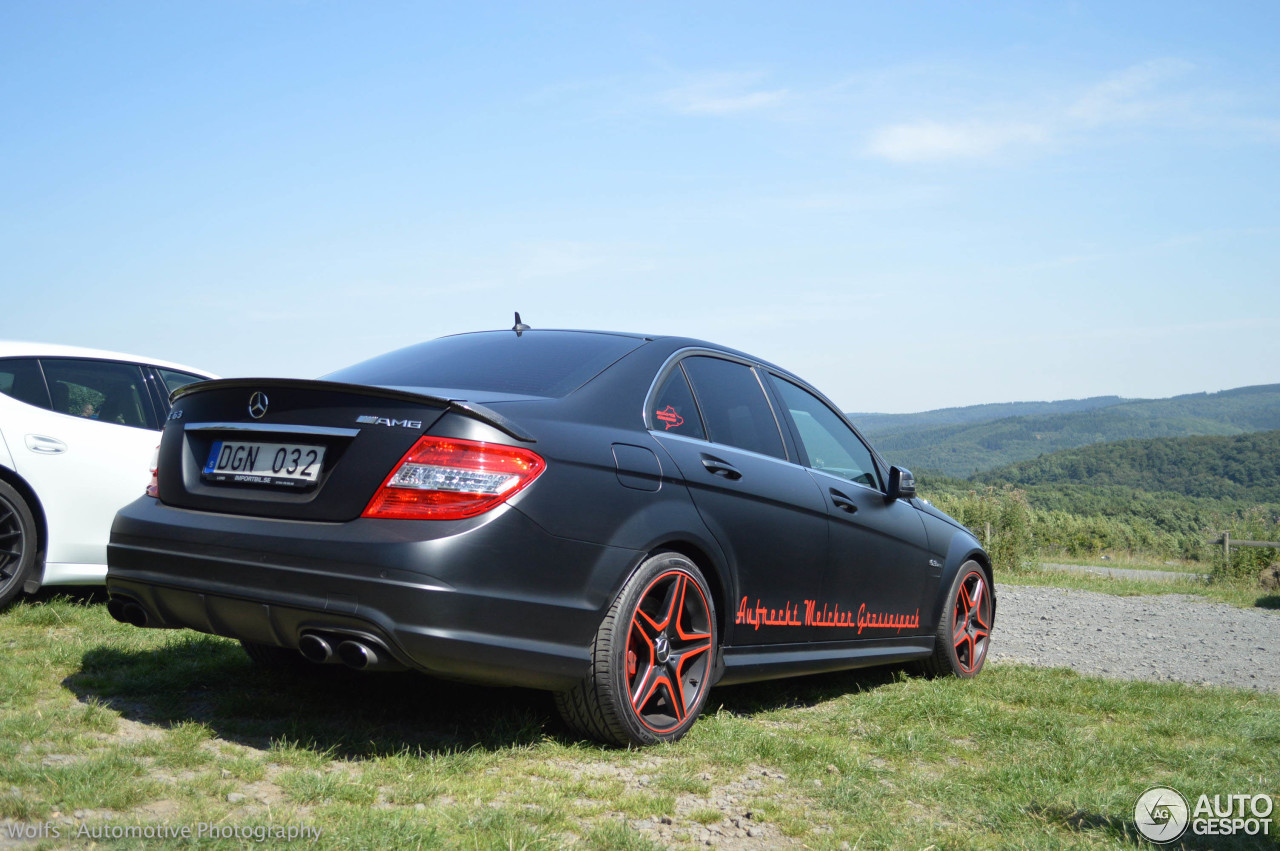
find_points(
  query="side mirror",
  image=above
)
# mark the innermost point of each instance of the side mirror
(902, 485)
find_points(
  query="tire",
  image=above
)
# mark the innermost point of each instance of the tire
(17, 543)
(279, 659)
(651, 659)
(964, 630)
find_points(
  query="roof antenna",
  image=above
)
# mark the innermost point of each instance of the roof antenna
(520, 327)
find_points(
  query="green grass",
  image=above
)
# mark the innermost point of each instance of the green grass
(1129, 561)
(1237, 594)
(156, 727)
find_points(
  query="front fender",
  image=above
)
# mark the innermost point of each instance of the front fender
(962, 548)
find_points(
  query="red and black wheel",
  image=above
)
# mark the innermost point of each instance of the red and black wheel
(964, 630)
(652, 658)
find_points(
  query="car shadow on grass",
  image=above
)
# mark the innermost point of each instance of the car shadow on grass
(1126, 832)
(360, 715)
(799, 692)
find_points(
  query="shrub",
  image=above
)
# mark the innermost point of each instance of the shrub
(1000, 518)
(1247, 563)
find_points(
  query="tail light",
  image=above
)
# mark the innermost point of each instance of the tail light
(153, 489)
(445, 478)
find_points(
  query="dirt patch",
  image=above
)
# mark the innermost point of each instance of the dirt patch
(739, 826)
(1269, 579)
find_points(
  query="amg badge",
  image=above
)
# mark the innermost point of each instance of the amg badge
(370, 420)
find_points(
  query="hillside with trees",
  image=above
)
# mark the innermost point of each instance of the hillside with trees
(968, 444)
(1242, 467)
(876, 424)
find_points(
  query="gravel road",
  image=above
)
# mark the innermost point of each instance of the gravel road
(1159, 637)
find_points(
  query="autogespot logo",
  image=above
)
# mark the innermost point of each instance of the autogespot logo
(1161, 814)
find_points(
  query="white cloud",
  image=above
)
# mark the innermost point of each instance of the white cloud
(723, 94)
(1132, 96)
(933, 140)
(1125, 97)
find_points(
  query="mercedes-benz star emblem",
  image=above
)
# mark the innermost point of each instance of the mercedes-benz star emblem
(662, 648)
(258, 405)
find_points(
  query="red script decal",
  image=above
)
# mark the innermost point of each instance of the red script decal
(669, 416)
(790, 615)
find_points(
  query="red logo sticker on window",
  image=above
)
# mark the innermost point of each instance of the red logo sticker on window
(669, 416)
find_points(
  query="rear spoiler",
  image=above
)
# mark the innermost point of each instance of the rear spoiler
(461, 406)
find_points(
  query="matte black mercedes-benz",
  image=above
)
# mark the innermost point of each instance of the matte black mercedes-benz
(621, 519)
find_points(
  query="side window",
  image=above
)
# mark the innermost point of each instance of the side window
(737, 411)
(21, 379)
(174, 379)
(106, 391)
(831, 446)
(673, 410)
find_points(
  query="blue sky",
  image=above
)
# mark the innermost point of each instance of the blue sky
(913, 205)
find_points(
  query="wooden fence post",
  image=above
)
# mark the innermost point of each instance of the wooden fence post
(1226, 547)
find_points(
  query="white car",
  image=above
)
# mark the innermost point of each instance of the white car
(78, 430)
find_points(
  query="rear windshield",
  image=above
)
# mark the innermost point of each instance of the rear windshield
(537, 363)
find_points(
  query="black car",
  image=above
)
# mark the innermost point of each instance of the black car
(621, 519)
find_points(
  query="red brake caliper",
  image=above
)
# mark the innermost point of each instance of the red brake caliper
(631, 663)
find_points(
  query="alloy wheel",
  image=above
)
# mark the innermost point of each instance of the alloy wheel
(669, 651)
(12, 541)
(971, 622)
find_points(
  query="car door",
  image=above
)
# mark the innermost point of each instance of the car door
(87, 453)
(21, 388)
(764, 511)
(878, 568)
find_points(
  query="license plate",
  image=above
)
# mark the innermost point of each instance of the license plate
(283, 464)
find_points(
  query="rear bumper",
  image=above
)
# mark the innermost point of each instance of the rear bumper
(495, 599)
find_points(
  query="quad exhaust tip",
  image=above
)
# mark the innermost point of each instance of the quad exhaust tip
(358, 655)
(367, 656)
(127, 611)
(361, 654)
(315, 648)
(135, 614)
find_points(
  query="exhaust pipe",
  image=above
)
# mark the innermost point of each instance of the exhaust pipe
(365, 656)
(115, 608)
(127, 611)
(357, 655)
(135, 614)
(315, 648)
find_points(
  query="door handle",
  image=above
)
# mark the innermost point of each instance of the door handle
(721, 468)
(42, 445)
(843, 502)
